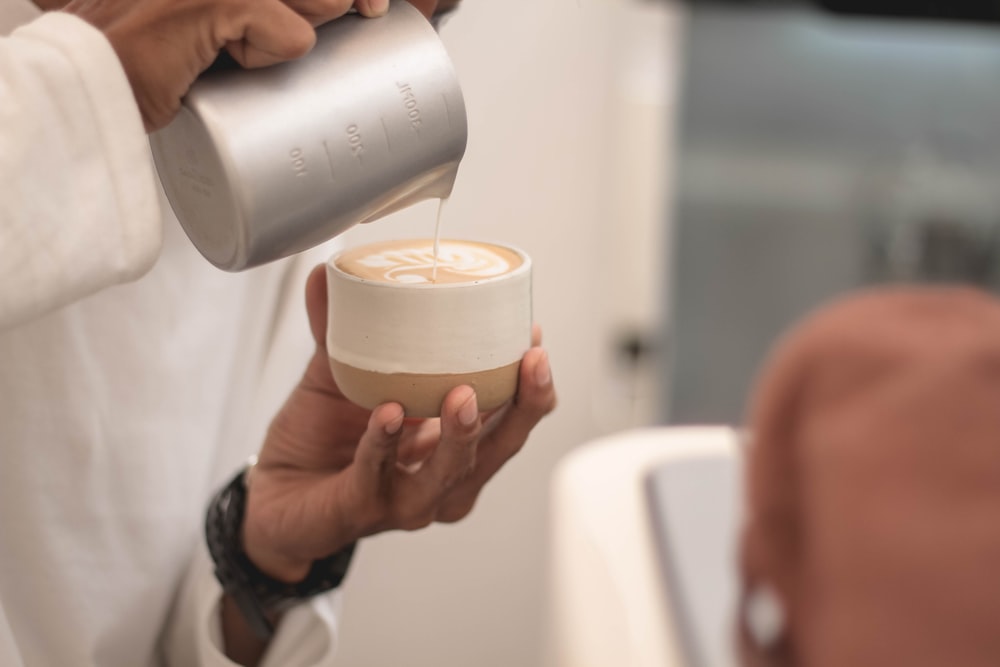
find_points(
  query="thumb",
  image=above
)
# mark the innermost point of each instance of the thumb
(316, 305)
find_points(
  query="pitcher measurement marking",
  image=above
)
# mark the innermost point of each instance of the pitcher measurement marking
(298, 162)
(329, 160)
(354, 141)
(385, 130)
(410, 104)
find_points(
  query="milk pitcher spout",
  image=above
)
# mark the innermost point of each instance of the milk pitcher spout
(435, 185)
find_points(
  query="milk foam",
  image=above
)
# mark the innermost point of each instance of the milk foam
(413, 262)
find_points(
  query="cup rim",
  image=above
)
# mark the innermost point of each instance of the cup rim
(525, 267)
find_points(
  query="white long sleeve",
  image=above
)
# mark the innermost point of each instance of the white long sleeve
(306, 636)
(79, 209)
(134, 377)
(117, 423)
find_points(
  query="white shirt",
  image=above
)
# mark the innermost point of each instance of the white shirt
(134, 376)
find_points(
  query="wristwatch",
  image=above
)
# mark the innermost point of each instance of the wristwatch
(259, 597)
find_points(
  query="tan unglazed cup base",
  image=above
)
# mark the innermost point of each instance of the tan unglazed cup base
(421, 395)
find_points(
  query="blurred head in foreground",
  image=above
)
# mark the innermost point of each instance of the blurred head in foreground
(872, 535)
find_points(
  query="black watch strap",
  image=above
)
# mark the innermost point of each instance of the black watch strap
(259, 596)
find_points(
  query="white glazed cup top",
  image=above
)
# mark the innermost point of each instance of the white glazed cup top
(429, 329)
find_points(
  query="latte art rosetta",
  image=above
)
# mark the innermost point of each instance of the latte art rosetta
(412, 262)
(410, 265)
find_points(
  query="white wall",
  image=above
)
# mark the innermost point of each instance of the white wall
(542, 88)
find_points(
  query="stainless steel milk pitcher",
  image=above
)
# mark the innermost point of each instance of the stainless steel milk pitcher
(261, 164)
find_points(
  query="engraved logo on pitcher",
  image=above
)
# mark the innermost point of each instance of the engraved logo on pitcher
(410, 103)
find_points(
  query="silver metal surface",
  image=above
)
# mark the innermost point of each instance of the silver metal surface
(261, 164)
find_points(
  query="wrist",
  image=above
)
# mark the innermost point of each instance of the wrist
(254, 539)
(257, 594)
(275, 565)
(262, 539)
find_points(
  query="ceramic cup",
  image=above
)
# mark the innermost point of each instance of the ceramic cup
(406, 329)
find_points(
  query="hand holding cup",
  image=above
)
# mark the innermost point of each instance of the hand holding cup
(331, 472)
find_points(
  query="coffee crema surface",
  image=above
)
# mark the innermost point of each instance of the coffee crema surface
(411, 261)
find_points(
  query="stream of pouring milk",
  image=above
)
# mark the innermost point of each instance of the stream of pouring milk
(437, 239)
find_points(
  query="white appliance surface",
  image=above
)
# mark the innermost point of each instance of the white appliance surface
(643, 569)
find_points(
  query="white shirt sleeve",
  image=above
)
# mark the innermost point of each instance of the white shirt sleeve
(78, 201)
(306, 636)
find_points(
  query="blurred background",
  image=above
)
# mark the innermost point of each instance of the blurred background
(690, 179)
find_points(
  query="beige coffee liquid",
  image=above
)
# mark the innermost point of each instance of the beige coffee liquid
(414, 261)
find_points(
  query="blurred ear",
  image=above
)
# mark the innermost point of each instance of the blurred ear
(316, 304)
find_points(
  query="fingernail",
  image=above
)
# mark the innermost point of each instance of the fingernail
(469, 412)
(378, 7)
(392, 427)
(543, 374)
(410, 468)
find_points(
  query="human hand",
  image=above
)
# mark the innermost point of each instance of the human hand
(164, 45)
(331, 472)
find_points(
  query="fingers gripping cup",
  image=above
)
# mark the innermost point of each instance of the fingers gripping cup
(400, 331)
